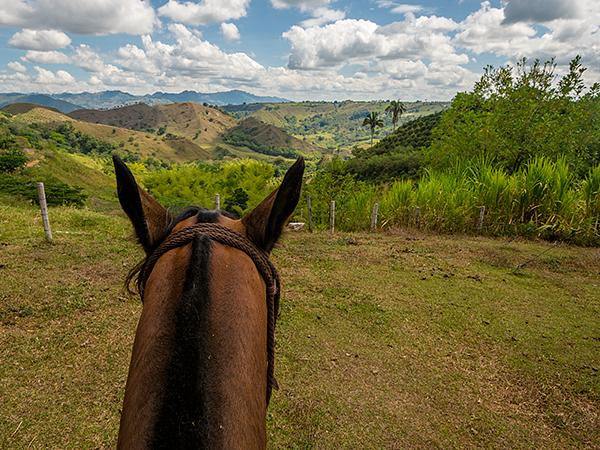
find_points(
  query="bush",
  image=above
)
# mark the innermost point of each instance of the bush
(11, 160)
(57, 193)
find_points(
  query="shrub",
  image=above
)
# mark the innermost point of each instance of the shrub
(57, 193)
(11, 160)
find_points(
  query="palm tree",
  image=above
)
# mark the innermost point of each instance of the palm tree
(397, 108)
(372, 121)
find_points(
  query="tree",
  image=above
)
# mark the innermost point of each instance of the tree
(372, 121)
(518, 113)
(397, 108)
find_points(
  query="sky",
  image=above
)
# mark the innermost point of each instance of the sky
(296, 49)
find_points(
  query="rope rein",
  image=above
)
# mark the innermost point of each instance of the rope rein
(261, 260)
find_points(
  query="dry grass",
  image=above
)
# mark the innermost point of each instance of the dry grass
(384, 341)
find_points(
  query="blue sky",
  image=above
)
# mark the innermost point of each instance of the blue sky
(298, 49)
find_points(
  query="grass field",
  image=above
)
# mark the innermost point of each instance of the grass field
(398, 340)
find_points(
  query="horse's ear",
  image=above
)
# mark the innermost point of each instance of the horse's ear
(150, 220)
(264, 223)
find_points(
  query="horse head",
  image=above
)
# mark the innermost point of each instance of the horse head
(201, 369)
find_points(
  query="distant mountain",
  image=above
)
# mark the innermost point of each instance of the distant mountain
(113, 99)
(38, 99)
(218, 98)
(99, 100)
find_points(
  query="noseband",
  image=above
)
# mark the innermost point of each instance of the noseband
(231, 238)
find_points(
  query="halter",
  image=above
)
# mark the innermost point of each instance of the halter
(231, 238)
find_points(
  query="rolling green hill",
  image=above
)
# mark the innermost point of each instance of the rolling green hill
(268, 139)
(166, 147)
(332, 125)
(415, 134)
(197, 123)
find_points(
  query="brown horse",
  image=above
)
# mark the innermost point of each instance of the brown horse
(201, 366)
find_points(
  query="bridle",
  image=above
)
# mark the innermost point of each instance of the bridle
(227, 236)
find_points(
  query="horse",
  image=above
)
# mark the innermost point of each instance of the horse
(201, 369)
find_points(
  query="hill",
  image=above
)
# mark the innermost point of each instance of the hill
(20, 108)
(38, 99)
(144, 145)
(399, 155)
(415, 134)
(267, 139)
(199, 124)
(333, 125)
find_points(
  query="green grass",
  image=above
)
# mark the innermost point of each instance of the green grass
(399, 340)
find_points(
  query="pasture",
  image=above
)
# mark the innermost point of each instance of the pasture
(390, 340)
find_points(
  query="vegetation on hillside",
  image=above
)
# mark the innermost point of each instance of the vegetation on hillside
(268, 139)
(242, 184)
(399, 155)
(514, 114)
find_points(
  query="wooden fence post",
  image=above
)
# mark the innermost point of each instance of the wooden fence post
(44, 208)
(309, 207)
(217, 202)
(374, 216)
(332, 217)
(417, 216)
(481, 216)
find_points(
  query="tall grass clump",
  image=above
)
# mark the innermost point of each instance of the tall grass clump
(590, 192)
(397, 204)
(543, 199)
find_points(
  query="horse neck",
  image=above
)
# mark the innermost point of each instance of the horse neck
(198, 371)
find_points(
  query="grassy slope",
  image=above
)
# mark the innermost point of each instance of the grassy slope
(262, 134)
(384, 341)
(75, 170)
(144, 144)
(181, 119)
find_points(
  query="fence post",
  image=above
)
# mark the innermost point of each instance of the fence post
(217, 202)
(374, 216)
(481, 216)
(417, 216)
(332, 217)
(309, 207)
(44, 208)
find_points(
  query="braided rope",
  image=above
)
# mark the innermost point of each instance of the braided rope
(265, 267)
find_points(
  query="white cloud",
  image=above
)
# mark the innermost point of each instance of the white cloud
(47, 77)
(302, 5)
(321, 16)
(80, 16)
(205, 12)
(51, 57)
(318, 9)
(359, 41)
(39, 39)
(540, 11)
(486, 30)
(230, 32)
(483, 31)
(400, 8)
(88, 59)
(17, 66)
